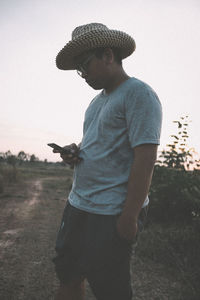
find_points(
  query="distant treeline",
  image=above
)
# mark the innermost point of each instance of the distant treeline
(21, 157)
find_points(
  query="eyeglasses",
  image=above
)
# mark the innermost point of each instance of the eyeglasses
(83, 67)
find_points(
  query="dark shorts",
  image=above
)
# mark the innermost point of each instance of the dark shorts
(88, 246)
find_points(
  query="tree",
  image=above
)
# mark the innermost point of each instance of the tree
(33, 158)
(10, 158)
(22, 156)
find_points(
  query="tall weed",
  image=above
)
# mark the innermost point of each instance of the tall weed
(8, 175)
(177, 247)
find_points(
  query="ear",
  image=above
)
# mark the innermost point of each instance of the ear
(108, 56)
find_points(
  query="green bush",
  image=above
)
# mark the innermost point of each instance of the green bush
(174, 195)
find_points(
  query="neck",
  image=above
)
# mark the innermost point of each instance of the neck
(115, 80)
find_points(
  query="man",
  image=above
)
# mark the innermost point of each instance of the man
(113, 170)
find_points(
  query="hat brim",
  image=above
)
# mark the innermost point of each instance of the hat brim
(91, 40)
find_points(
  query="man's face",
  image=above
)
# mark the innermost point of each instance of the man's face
(94, 70)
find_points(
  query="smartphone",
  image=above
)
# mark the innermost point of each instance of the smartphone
(59, 148)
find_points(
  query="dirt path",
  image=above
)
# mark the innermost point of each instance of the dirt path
(29, 219)
(26, 245)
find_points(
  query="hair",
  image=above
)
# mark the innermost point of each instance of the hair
(116, 52)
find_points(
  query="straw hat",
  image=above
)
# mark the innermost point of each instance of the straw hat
(91, 36)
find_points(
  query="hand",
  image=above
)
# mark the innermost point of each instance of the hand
(127, 227)
(71, 158)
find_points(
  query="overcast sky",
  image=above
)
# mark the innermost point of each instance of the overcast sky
(41, 104)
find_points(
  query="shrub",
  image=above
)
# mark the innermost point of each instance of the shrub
(174, 195)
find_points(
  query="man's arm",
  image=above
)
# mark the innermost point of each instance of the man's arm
(138, 188)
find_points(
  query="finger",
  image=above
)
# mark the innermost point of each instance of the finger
(74, 159)
(73, 151)
(73, 146)
(66, 156)
(70, 147)
(67, 161)
(77, 159)
(55, 151)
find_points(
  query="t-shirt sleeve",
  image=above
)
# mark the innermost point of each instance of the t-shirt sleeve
(143, 116)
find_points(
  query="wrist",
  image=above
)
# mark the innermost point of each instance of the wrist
(127, 214)
(129, 217)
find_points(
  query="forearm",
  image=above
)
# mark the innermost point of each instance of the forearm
(139, 183)
(138, 188)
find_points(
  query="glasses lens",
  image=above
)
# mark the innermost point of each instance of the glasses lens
(79, 72)
(82, 68)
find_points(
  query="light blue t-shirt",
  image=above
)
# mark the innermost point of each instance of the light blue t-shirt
(114, 124)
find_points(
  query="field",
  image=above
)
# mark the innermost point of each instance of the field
(31, 207)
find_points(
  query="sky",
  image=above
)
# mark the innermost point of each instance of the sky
(42, 104)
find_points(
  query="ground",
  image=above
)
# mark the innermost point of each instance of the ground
(30, 214)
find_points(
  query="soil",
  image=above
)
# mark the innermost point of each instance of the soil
(30, 214)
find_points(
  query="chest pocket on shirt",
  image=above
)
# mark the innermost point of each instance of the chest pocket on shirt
(111, 117)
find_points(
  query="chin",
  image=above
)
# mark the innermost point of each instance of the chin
(97, 88)
(94, 86)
